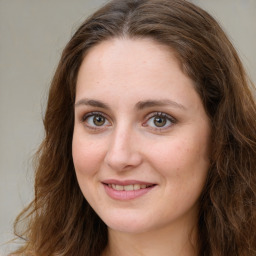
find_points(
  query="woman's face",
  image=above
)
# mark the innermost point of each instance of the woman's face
(141, 137)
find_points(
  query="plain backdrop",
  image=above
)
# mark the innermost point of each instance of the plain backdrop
(32, 36)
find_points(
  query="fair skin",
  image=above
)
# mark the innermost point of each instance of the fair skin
(140, 147)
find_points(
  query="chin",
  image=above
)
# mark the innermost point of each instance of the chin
(127, 223)
(128, 228)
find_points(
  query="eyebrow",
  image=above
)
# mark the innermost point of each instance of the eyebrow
(159, 103)
(140, 105)
(93, 103)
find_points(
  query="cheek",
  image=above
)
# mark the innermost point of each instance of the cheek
(182, 162)
(87, 156)
(183, 166)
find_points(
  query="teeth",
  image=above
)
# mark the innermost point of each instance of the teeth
(136, 186)
(128, 187)
(119, 187)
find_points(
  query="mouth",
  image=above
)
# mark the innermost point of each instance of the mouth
(127, 190)
(128, 187)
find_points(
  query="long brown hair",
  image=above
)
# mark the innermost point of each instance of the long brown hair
(61, 222)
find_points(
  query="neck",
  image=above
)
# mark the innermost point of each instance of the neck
(164, 241)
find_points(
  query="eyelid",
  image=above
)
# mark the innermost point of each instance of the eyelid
(93, 113)
(161, 114)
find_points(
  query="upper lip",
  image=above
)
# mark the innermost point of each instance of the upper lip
(126, 182)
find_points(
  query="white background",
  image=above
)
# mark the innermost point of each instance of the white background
(32, 36)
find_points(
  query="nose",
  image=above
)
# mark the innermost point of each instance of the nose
(123, 151)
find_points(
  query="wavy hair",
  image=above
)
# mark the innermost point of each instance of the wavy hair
(60, 222)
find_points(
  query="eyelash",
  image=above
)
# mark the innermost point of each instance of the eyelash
(94, 114)
(163, 115)
(168, 118)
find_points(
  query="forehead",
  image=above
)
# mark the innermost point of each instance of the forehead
(124, 72)
(122, 58)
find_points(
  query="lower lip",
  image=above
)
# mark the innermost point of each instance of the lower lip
(126, 195)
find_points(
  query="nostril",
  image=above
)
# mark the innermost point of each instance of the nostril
(123, 160)
(122, 153)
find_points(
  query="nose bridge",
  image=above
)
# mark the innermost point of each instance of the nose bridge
(122, 150)
(122, 138)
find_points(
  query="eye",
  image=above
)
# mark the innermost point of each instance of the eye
(95, 120)
(159, 120)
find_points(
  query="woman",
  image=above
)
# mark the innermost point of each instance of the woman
(150, 140)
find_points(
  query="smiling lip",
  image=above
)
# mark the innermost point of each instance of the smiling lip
(126, 190)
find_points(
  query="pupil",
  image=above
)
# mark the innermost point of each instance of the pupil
(99, 120)
(159, 121)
